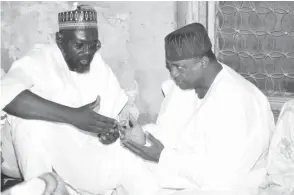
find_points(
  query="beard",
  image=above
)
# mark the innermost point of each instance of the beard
(78, 67)
(82, 69)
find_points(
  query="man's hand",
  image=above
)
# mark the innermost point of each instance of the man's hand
(132, 131)
(85, 118)
(110, 137)
(150, 153)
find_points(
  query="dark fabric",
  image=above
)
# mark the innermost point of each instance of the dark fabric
(7, 182)
(188, 42)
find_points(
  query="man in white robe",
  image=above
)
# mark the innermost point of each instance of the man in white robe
(214, 127)
(49, 95)
(280, 171)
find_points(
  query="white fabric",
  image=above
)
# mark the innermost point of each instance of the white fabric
(280, 178)
(218, 143)
(45, 73)
(48, 183)
(80, 159)
(177, 104)
(9, 165)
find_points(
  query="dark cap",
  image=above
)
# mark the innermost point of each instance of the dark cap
(187, 42)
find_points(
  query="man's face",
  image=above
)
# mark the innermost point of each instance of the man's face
(79, 48)
(187, 74)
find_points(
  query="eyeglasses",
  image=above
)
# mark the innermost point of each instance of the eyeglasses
(88, 46)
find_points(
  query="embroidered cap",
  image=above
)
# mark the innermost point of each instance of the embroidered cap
(82, 17)
(188, 42)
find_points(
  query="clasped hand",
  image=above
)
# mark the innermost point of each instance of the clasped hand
(134, 139)
(132, 135)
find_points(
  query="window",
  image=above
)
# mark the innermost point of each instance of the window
(257, 40)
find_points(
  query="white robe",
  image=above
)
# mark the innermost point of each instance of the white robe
(280, 176)
(210, 144)
(79, 158)
(216, 144)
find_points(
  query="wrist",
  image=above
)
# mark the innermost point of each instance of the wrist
(67, 115)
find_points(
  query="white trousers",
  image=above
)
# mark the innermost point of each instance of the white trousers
(79, 159)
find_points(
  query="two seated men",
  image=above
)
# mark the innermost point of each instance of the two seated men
(211, 136)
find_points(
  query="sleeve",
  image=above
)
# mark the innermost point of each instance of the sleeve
(280, 170)
(286, 119)
(282, 144)
(130, 108)
(114, 97)
(155, 129)
(20, 77)
(116, 94)
(234, 143)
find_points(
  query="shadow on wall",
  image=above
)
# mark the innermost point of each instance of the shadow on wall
(132, 36)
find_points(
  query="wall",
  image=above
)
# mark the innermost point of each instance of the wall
(192, 11)
(131, 33)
